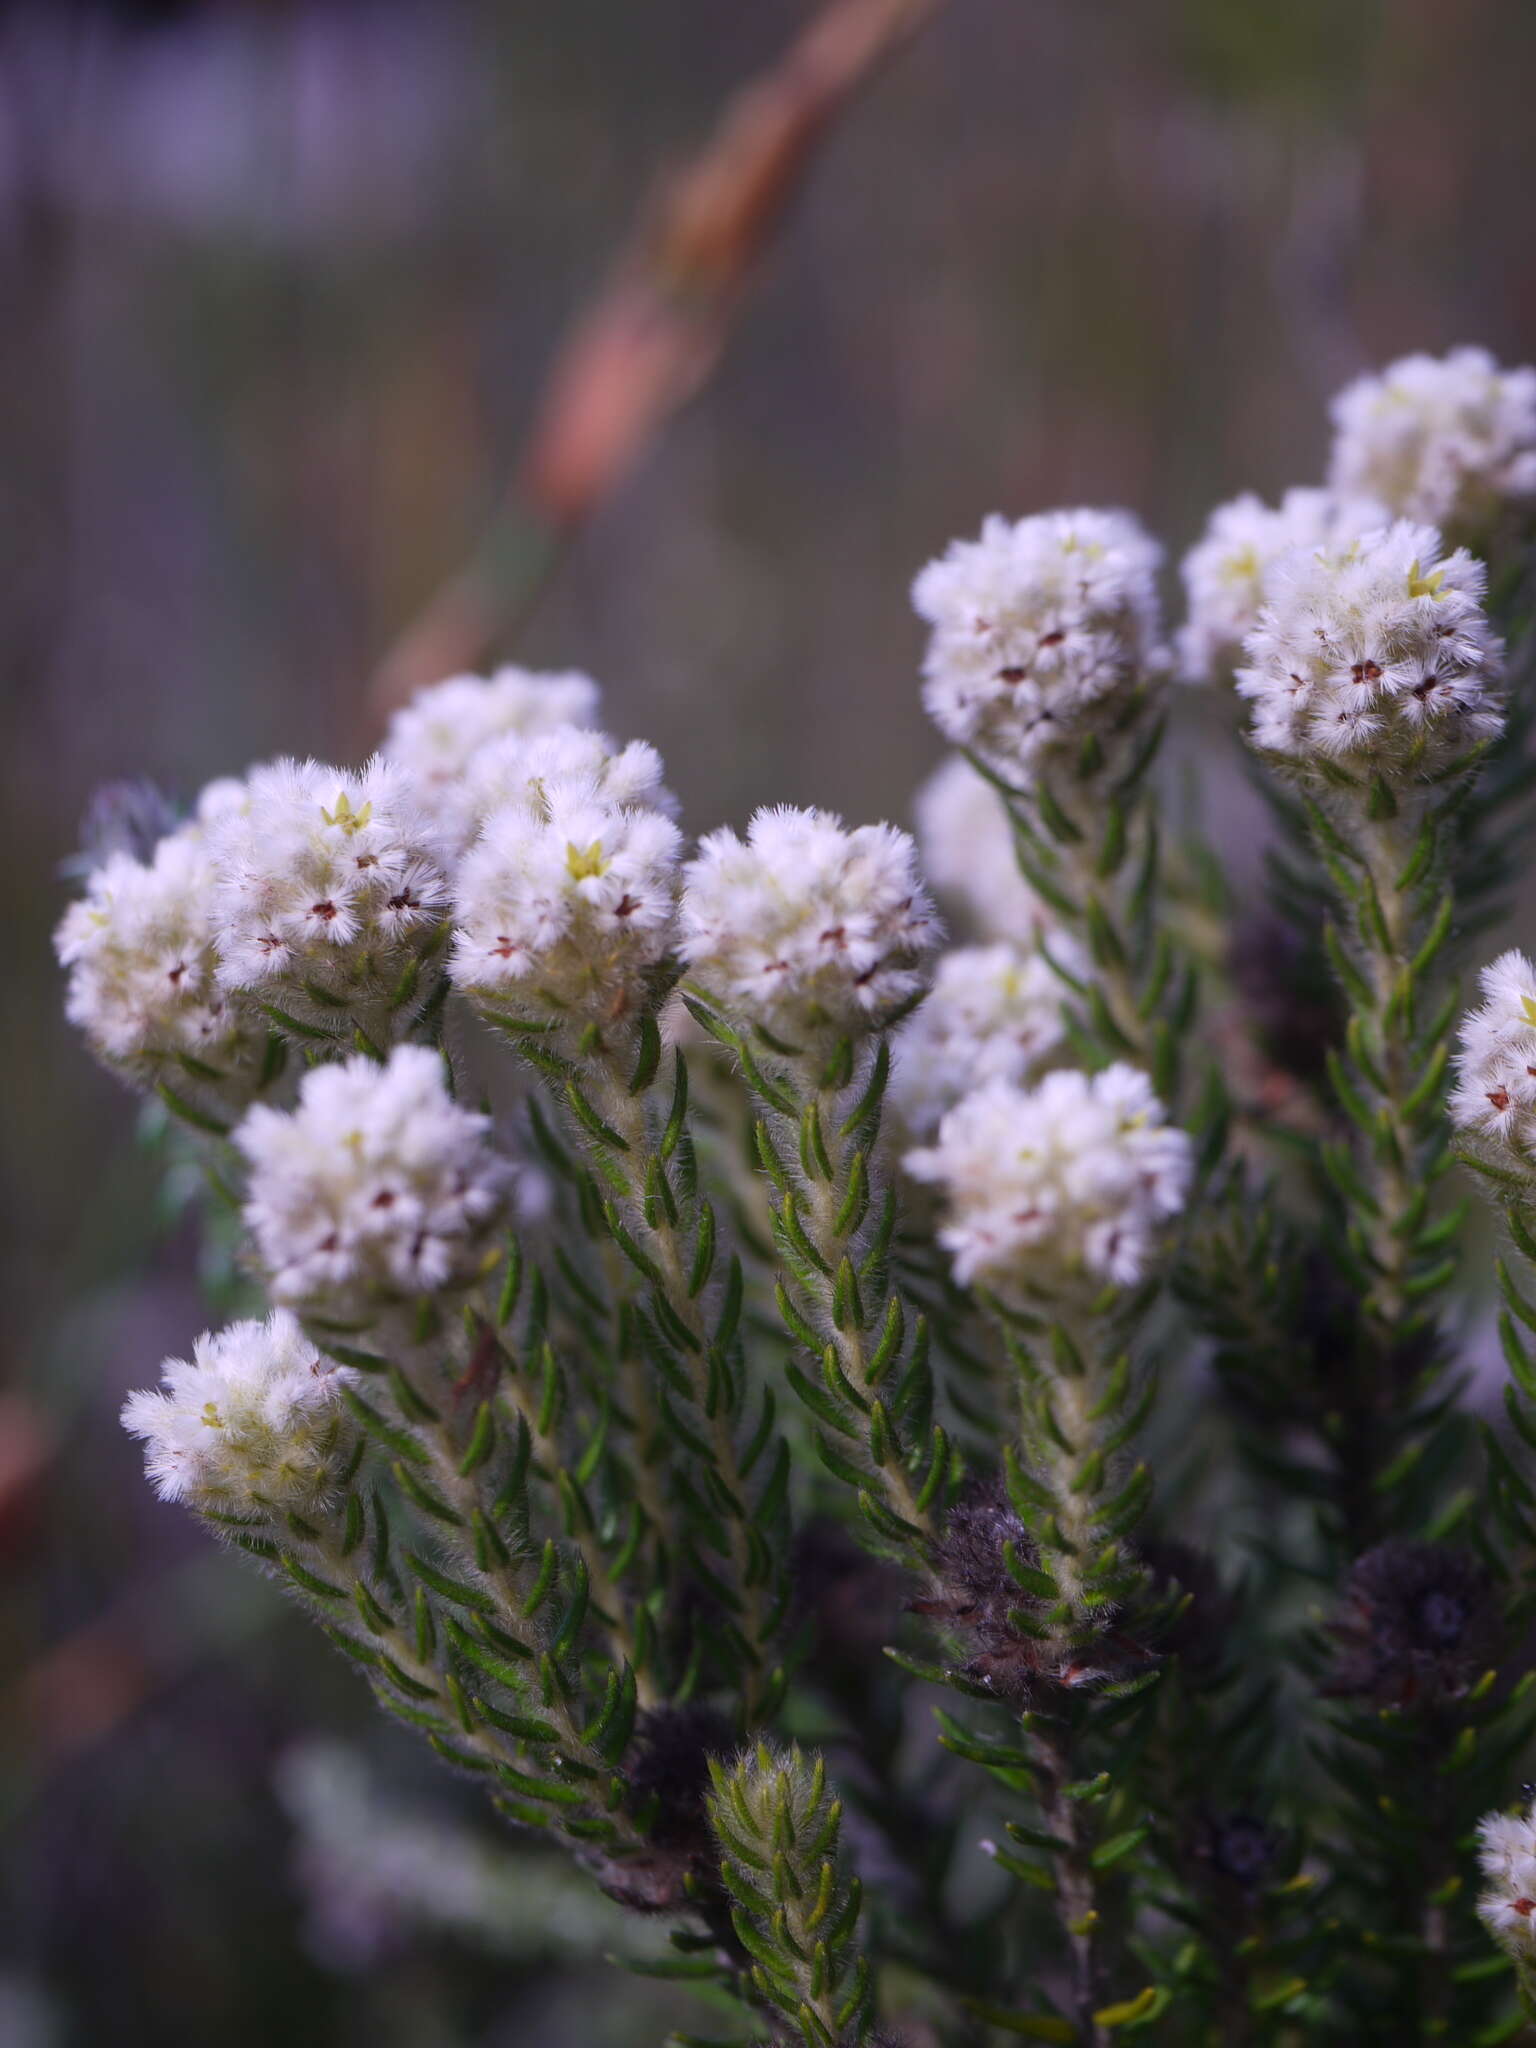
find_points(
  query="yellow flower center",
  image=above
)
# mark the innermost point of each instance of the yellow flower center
(344, 816)
(580, 864)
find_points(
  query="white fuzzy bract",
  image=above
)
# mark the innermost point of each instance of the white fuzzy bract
(1068, 1183)
(1449, 440)
(1042, 631)
(1226, 573)
(439, 734)
(1495, 1091)
(254, 1420)
(1377, 655)
(965, 844)
(993, 1014)
(143, 967)
(806, 927)
(376, 1185)
(566, 902)
(330, 885)
(1507, 1908)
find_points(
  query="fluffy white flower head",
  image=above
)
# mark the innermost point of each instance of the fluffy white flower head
(1495, 1091)
(1226, 573)
(329, 881)
(965, 844)
(1507, 1908)
(567, 901)
(253, 1420)
(1042, 631)
(438, 735)
(1377, 655)
(1057, 1187)
(576, 758)
(143, 968)
(1449, 440)
(805, 927)
(994, 1013)
(376, 1185)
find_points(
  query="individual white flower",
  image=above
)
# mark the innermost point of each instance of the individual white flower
(1449, 440)
(1226, 573)
(1042, 632)
(566, 903)
(1507, 1908)
(330, 886)
(1495, 1091)
(994, 1013)
(965, 844)
(1377, 655)
(253, 1421)
(143, 966)
(436, 736)
(1072, 1181)
(377, 1184)
(515, 770)
(805, 927)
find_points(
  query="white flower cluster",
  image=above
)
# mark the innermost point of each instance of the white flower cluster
(377, 1185)
(330, 885)
(1042, 632)
(1495, 1092)
(994, 1013)
(566, 902)
(442, 731)
(143, 966)
(1227, 572)
(1507, 1908)
(965, 843)
(1449, 440)
(253, 1421)
(1377, 655)
(1048, 1188)
(805, 927)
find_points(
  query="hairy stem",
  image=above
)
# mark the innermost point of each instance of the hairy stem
(1076, 1891)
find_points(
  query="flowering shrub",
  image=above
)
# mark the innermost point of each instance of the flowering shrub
(695, 1276)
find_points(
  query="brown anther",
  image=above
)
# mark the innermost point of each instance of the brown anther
(1524, 1907)
(404, 901)
(1012, 675)
(1499, 1097)
(325, 911)
(1365, 672)
(1052, 639)
(1422, 690)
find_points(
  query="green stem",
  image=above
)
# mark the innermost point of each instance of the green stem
(625, 1114)
(1394, 1181)
(827, 1196)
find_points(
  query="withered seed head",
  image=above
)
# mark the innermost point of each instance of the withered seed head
(1415, 1626)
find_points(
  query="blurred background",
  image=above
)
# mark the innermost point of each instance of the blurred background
(279, 286)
